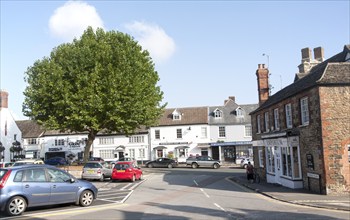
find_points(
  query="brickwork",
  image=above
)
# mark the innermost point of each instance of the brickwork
(335, 105)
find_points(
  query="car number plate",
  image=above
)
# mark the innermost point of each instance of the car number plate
(120, 171)
(91, 171)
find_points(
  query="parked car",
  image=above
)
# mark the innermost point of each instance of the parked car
(162, 162)
(203, 161)
(96, 159)
(244, 162)
(126, 170)
(28, 161)
(44, 185)
(56, 161)
(94, 170)
(126, 159)
(6, 164)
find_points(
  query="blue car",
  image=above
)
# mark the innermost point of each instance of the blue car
(41, 185)
(56, 161)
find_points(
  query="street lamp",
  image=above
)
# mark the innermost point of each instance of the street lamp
(268, 59)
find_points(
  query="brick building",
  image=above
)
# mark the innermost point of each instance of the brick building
(301, 134)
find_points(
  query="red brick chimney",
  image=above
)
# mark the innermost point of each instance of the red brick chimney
(4, 99)
(263, 83)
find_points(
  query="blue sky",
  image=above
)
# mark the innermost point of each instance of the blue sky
(204, 51)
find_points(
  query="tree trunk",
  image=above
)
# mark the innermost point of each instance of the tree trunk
(91, 138)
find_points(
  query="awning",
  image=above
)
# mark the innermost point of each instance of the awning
(160, 148)
(182, 147)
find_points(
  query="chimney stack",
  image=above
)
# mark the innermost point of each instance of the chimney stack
(233, 98)
(306, 59)
(263, 83)
(4, 99)
(319, 54)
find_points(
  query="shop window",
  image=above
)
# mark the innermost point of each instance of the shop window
(296, 162)
(270, 160)
(261, 158)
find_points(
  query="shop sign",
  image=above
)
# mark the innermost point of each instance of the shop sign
(173, 143)
(55, 149)
(313, 175)
(276, 142)
(74, 144)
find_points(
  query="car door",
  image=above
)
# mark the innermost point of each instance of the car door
(62, 189)
(35, 186)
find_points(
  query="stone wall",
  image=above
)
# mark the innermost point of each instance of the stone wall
(335, 107)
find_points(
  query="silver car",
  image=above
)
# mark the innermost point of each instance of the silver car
(95, 170)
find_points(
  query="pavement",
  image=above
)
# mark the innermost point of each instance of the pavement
(295, 196)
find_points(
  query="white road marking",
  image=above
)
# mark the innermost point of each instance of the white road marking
(205, 193)
(195, 182)
(219, 207)
(126, 186)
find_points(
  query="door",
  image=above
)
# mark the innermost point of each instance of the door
(62, 190)
(35, 186)
(120, 155)
(278, 162)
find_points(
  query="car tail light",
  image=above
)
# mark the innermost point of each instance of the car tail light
(99, 171)
(4, 179)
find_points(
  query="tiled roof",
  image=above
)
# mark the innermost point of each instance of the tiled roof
(29, 128)
(332, 71)
(194, 115)
(229, 113)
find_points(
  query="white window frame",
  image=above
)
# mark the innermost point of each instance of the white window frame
(239, 112)
(258, 125)
(222, 132)
(304, 109)
(217, 113)
(276, 119)
(261, 158)
(267, 121)
(248, 131)
(106, 140)
(137, 139)
(289, 118)
(132, 153)
(157, 134)
(204, 132)
(179, 133)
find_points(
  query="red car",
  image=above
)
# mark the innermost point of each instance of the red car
(126, 170)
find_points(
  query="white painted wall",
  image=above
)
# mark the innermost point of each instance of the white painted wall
(9, 129)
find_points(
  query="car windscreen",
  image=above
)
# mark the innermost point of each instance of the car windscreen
(2, 173)
(92, 165)
(121, 166)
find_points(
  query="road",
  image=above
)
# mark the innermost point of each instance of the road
(183, 193)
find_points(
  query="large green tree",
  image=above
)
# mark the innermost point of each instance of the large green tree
(103, 81)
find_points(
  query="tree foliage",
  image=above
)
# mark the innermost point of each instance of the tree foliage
(102, 81)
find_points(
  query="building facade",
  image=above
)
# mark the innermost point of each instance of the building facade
(230, 131)
(301, 134)
(10, 135)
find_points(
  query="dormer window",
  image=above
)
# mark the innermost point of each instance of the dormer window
(239, 112)
(217, 113)
(176, 115)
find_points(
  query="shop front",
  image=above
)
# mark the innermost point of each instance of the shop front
(230, 151)
(283, 164)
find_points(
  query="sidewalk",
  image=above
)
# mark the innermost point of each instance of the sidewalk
(295, 196)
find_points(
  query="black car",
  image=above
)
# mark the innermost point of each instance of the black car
(162, 162)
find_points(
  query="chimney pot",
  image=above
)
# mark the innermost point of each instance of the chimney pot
(306, 54)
